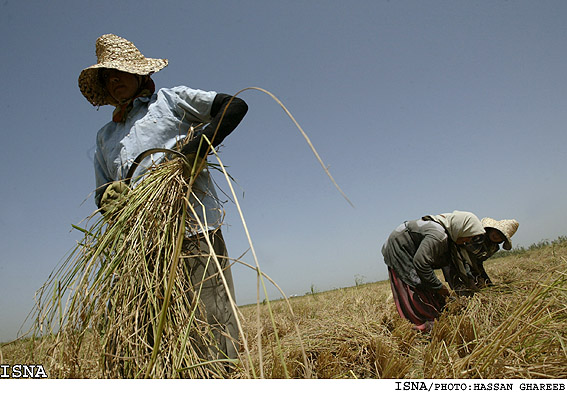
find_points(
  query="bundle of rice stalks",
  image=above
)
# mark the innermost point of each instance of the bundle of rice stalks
(129, 289)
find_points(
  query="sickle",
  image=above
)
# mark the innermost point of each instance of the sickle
(148, 152)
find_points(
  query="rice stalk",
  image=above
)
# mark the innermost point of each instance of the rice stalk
(305, 136)
(529, 317)
(260, 280)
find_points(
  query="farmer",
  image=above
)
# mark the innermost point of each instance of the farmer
(497, 232)
(412, 252)
(145, 119)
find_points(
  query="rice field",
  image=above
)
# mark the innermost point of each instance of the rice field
(122, 306)
(515, 329)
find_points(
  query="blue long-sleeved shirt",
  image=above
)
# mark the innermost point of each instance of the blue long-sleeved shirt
(159, 121)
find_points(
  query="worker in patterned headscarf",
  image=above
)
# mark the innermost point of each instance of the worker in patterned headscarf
(414, 250)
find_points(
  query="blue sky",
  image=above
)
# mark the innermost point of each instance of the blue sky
(416, 108)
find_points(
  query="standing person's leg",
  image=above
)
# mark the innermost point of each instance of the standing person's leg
(214, 296)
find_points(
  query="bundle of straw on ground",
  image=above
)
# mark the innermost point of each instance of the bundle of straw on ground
(129, 293)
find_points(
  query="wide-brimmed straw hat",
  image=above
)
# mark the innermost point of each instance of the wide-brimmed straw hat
(506, 226)
(117, 53)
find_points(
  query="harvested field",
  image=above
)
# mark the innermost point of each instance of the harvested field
(515, 329)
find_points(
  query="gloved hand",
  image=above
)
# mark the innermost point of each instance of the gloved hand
(226, 113)
(113, 199)
(194, 164)
(191, 147)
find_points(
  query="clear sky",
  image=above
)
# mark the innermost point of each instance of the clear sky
(416, 108)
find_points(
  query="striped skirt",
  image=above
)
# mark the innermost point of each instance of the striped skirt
(421, 307)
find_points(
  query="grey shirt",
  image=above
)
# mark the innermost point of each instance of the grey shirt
(414, 249)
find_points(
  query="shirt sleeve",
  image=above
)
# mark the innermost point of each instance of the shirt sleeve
(193, 104)
(429, 255)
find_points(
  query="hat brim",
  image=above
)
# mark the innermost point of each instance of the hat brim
(507, 245)
(506, 227)
(95, 93)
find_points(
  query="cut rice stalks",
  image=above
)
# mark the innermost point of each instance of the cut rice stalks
(127, 286)
(127, 289)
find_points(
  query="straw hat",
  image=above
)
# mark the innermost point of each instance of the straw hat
(114, 52)
(506, 226)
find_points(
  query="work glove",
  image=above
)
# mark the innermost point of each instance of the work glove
(194, 152)
(113, 200)
(226, 113)
(194, 165)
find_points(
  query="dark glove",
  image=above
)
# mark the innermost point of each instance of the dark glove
(226, 113)
(195, 165)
